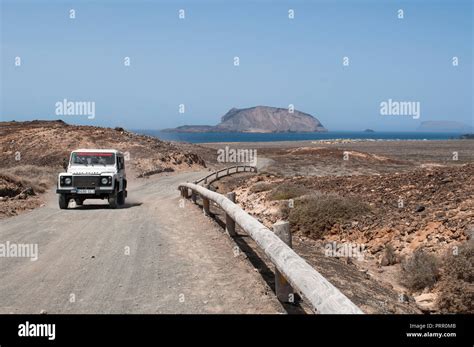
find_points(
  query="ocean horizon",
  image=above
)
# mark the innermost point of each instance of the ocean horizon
(211, 137)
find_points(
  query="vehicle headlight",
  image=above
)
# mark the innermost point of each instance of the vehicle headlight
(104, 180)
(65, 181)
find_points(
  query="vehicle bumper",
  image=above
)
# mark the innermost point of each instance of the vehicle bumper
(98, 192)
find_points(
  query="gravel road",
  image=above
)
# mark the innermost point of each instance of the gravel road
(154, 255)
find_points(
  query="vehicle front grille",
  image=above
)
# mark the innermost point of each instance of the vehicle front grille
(85, 181)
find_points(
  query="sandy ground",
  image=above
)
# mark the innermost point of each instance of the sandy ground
(179, 261)
(321, 158)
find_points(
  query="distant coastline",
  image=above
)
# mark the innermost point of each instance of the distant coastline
(209, 137)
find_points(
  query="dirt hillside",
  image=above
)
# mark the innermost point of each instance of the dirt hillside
(32, 153)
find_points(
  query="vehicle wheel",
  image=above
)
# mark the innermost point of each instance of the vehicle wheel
(113, 200)
(121, 198)
(63, 201)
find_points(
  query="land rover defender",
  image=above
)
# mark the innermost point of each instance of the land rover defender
(93, 174)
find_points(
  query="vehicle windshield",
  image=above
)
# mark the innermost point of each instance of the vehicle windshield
(81, 158)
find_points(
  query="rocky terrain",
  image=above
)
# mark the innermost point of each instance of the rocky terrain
(432, 207)
(411, 214)
(409, 204)
(260, 119)
(32, 153)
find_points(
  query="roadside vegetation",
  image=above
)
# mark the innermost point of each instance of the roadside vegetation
(316, 214)
(26, 179)
(451, 276)
(286, 191)
(456, 287)
(421, 270)
(260, 187)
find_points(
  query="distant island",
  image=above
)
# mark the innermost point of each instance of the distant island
(369, 131)
(259, 119)
(444, 126)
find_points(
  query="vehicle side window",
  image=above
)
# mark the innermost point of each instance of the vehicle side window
(120, 163)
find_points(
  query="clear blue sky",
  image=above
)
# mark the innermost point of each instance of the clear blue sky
(282, 61)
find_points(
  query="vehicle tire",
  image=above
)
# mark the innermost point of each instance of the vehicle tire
(121, 198)
(113, 200)
(63, 201)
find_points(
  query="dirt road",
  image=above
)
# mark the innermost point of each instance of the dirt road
(152, 256)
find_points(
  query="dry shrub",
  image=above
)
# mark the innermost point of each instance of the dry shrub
(39, 178)
(389, 257)
(317, 213)
(456, 297)
(10, 186)
(421, 270)
(260, 187)
(286, 191)
(456, 289)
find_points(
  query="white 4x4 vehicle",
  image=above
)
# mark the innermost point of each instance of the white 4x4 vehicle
(93, 174)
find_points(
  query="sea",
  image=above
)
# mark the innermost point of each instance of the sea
(271, 137)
